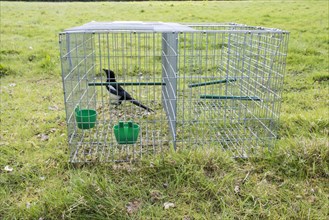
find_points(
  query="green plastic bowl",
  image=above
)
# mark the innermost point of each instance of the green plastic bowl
(126, 132)
(86, 118)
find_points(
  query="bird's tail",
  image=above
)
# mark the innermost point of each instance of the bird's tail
(135, 102)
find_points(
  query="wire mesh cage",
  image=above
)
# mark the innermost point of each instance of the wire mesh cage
(133, 89)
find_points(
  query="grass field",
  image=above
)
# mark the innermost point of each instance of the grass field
(37, 182)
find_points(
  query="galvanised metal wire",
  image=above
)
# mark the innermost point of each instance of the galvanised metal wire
(210, 85)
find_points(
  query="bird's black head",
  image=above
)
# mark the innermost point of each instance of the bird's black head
(110, 75)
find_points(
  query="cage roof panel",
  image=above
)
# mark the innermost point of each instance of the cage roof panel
(163, 27)
(134, 26)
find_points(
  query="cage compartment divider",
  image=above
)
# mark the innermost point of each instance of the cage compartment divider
(169, 58)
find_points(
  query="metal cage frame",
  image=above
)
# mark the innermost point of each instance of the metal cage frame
(210, 85)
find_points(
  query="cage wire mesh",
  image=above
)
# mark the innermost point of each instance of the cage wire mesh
(209, 85)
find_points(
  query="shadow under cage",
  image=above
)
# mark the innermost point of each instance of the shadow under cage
(171, 85)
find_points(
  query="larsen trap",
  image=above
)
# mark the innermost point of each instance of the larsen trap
(138, 88)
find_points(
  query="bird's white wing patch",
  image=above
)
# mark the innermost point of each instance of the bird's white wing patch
(111, 87)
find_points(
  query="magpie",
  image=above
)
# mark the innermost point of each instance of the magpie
(118, 94)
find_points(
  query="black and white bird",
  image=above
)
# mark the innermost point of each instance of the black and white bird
(118, 94)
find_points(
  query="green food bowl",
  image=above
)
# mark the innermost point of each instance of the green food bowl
(86, 118)
(126, 132)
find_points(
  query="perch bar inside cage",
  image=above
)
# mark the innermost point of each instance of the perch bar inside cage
(212, 82)
(127, 83)
(251, 98)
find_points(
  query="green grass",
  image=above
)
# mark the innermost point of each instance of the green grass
(291, 182)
